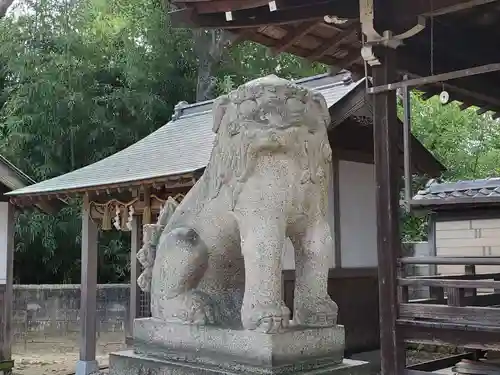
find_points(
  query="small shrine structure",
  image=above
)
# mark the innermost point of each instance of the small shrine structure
(465, 221)
(128, 189)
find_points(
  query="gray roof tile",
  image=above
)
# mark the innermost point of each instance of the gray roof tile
(469, 189)
(181, 146)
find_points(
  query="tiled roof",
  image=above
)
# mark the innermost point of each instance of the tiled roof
(463, 190)
(12, 177)
(181, 146)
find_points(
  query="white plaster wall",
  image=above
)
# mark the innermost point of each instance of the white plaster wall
(288, 259)
(3, 241)
(358, 215)
(358, 226)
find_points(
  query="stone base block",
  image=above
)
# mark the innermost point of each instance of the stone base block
(130, 363)
(297, 349)
(86, 367)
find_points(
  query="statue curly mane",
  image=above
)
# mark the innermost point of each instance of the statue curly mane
(244, 126)
(266, 115)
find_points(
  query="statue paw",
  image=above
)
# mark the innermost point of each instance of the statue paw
(266, 318)
(318, 312)
(199, 308)
(193, 307)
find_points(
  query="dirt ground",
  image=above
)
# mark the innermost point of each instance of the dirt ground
(58, 355)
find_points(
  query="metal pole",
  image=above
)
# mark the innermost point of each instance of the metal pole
(437, 78)
(407, 145)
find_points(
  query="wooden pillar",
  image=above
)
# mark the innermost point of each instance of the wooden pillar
(135, 271)
(6, 277)
(88, 304)
(385, 137)
(336, 209)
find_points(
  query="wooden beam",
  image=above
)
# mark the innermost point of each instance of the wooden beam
(474, 93)
(267, 41)
(242, 37)
(444, 6)
(386, 134)
(294, 36)
(445, 260)
(188, 17)
(480, 336)
(349, 59)
(345, 62)
(437, 78)
(220, 5)
(456, 314)
(483, 110)
(260, 8)
(429, 94)
(441, 363)
(170, 182)
(88, 304)
(297, 11)
(446, 283)
(477, 276)
(331, 45)
(348, 9)
(462, 46)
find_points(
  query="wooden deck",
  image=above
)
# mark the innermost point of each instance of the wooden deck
(463, 311)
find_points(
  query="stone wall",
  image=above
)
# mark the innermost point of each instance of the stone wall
(53, 310)
(473, 238)
(418, 249)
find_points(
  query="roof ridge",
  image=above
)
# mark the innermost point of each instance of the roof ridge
(181, 106)
(185, 144)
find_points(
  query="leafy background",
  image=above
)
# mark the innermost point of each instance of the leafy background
(83, 79)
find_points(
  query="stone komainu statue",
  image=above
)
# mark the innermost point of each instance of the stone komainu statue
(216, 257)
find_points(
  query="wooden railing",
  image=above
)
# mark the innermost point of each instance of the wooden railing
(464, 310)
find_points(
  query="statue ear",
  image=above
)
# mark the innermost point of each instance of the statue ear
(320, 104)
(220, 106)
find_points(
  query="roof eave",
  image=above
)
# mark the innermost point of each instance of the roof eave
(448, 204)
(115, 186)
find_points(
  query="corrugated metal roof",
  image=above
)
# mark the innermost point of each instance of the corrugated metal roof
(181, 146)
(469, 189)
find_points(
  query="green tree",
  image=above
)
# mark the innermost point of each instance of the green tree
(467, 144)
(81, 80)
(248, 61)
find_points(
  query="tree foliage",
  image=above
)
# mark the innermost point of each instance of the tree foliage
(83, 79)
(466, 143)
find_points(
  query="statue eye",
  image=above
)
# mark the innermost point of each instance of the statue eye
(248, 107)
(295, 105)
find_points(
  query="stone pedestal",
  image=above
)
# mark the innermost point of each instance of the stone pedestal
(161, 348)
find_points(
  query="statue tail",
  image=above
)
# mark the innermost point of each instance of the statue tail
(151, 237)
